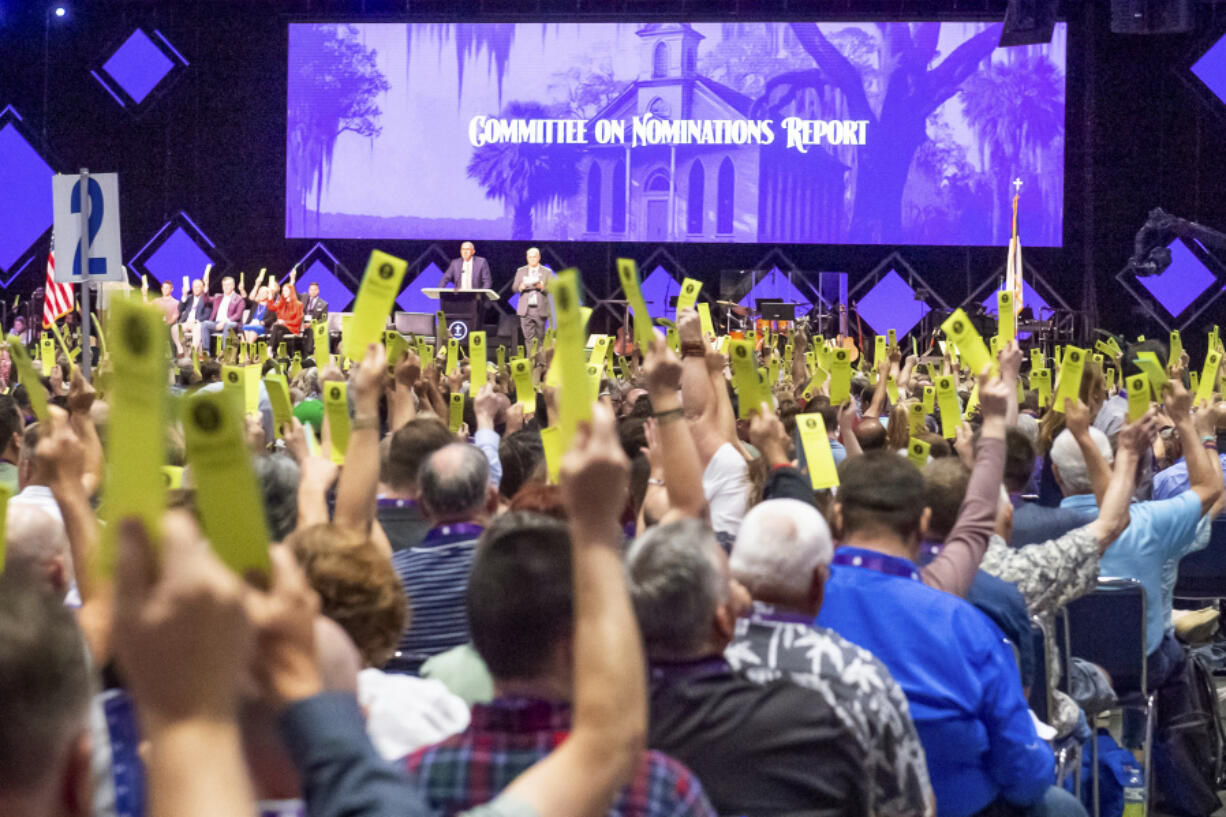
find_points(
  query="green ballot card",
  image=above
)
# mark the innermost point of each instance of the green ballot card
(378, 291)
(227, 495)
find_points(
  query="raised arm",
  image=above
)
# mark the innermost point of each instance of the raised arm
(1204, 472)
(698, 396)
(681, 465)
(1077, 420)
(1113, 507)
(954, 568)
(359, 480)
(608, 733)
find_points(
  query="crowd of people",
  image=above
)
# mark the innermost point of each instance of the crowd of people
(662, 616)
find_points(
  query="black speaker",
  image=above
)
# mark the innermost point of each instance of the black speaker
(1029, 22)
(1152, 16)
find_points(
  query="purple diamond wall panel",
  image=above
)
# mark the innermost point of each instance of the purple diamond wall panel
(176, 257)
(1181, 283)
(25, 195)
(891, 304)
(337, 295)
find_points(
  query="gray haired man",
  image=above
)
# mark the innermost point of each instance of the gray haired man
(531, 281)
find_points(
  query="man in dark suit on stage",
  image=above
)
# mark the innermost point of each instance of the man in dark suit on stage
(194, 309)
(314, 310)
(469, 271)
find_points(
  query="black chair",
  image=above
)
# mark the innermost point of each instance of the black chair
(1202, 575)
(1107, 627)
(1042, 702)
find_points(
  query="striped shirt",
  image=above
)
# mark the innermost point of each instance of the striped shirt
(435, 577)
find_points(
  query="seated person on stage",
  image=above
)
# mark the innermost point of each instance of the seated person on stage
(958, 673)
(469, 271)
(758, 748)
(782, 557)
(254, 328)
(169, 305)
(520, 598)
(531, 280)
(226, 314)
(194, 309)
(314, 310)
(288, 310)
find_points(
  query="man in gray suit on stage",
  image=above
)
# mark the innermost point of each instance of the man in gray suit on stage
(531, 281)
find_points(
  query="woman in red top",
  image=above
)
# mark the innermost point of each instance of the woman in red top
(289, 315)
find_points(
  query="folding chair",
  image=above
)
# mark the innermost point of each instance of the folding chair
(1202, 575)
(1107, 627)
(1042, 702)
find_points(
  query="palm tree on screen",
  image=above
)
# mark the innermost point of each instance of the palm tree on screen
(525, 178)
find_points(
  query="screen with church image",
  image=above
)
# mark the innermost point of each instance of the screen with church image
(801, 132)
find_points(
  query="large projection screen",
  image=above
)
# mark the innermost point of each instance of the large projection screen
(823, 133)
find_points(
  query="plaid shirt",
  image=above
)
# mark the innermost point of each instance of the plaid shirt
(508, 735)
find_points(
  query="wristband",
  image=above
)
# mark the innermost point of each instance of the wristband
(364, 424)
(667, 416)
(655, 481)
(693, 348)
(1208, 438)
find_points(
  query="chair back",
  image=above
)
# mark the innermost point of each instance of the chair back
(1040, 696)
(1107, 627)
(1202, 575)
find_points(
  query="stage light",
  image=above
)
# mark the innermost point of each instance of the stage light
(60, 11)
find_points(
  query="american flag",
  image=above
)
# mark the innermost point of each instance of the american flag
(58, 299)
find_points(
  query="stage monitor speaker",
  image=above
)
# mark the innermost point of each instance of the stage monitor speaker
(1152, 16)
(415, 323)
(1029, 22)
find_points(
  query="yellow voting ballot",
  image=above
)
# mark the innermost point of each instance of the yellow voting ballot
(891, 337)
(453, 356)
(689, 294)
(744, 376)
(336, 412)
(551, 440)
(323, 350)
(46, 353)
(1071, 367)
(227, 498)
(1176, 348)
(1036, 358)
(379, 288)
(1148, 363)
(1040, 383)
(891, 389)
(815, 383)
(136, 436)
(278, 396)
(1193, 381)
(521, 374)
(1208, 377)
(915, 418)
(477, 359)
(1138, 396)
(501, 357)
(25, 373)
(947, 401)
(600, 349)
(1109, 374)
(930, 399)
(879, 352)
(243, 381)
(628, 275)
(1006, 323)
(823, 473)
(961, 331)
(704, 318)
(673, 340)
(840, 377)
(455, 411)
(574, 405)
(917, 452)
(595, 373)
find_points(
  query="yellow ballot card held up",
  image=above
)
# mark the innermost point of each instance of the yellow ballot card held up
(628, 275)
(551, 440)
(26, 374)
(891, 389)
(818, 457)
(243, 381)
(477, 359)
(227, 495)
(744, 376)
(336, 412)
(1208, 377)
(521, 374)
(455, 411)
(1148, 363)
(1071, 367)
(1176, 347)
(136, 435)
(378, 291)
(574, 406)
(1040, 383)
(1037, 360)
(600, 349)
(689, 294)
(961, 331)
(815, 382)
(323, 350)
(1138, 396)
(453, 356)
(704, 318)
(46, 353)
(278, 396)
(840, 377)
(917, 452)
(915, 418)
(1006, 322)
(951, 412)
(930, 399)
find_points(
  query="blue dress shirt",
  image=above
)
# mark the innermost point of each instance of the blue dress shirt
(1158, 531)
(959, 676)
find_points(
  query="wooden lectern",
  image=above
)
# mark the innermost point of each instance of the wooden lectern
(464, 305)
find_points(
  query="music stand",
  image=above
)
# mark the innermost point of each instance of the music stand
(770, 309)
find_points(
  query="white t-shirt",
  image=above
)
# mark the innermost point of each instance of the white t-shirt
(725, 484)
(405, 713)
(466, 277)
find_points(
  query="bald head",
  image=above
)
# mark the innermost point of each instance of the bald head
(38, 547)
(455, 484)
(871, 434)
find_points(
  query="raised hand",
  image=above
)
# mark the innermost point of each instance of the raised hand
(595, 473)
(994, 395)
(767, 434)
(1077, 418)
(689, 326)
(662, 368)
(284, 623)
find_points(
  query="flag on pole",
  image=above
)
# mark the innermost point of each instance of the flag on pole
(1013, 268)
(58, 298)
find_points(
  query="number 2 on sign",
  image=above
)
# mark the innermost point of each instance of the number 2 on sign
(97, 266)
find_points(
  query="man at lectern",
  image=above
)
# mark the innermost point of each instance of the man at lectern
(469, 271)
